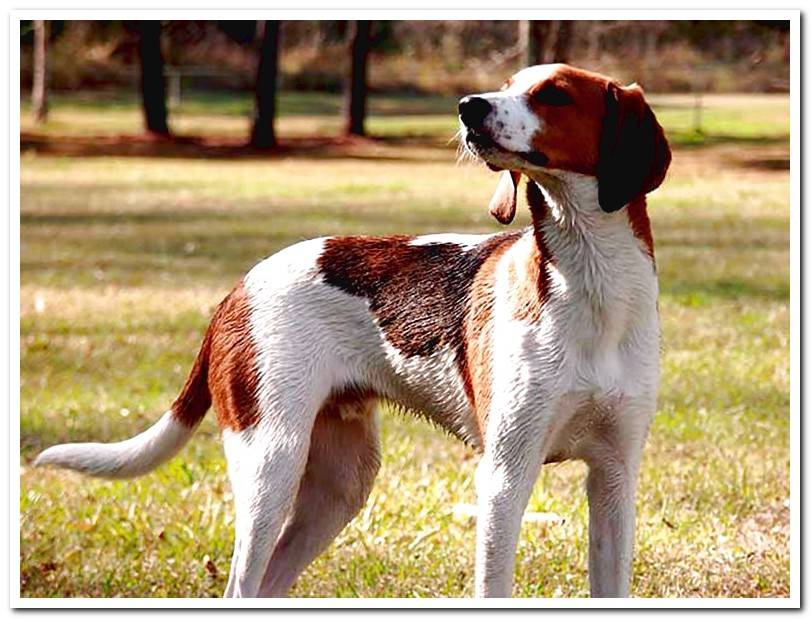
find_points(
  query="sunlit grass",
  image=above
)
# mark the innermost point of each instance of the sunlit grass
(123, 261)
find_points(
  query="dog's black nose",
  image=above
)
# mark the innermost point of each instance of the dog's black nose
(473, 111)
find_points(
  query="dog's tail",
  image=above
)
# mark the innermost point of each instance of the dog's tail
(146, 451)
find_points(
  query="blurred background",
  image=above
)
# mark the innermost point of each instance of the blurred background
(161, 160)
(242, 64)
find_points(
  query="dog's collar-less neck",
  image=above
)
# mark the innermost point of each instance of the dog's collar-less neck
(584, 244)
(566, 203)
(570, 197)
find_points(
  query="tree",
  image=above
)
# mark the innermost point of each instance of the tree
(355, 89)
(39, 89)
(263, 133)
(545, 41)
(153, 85)
(563, 42)
(534, 35)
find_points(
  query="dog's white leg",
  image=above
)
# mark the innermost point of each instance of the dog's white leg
(504, 479)
(503, 492)
(229, 587)
(265, 469)
(611, 487)
(343, 462)
(611, 528)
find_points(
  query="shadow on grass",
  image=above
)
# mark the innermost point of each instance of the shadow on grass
(377, 148)
(269, 221)
(240, 103)
(193, 147)
(119, 219)
(772, 164)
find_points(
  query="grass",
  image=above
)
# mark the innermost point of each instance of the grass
(124, 259)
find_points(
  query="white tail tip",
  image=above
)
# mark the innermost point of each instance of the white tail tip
(135, 456)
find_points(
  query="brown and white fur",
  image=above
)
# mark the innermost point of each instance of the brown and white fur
(531, 346)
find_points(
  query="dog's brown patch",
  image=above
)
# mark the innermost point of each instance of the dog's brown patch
(194, 400)
(529, 273)
(528, 285)
(233, 377)
(571, 133)
(640, 224)
(417, 293)
(478, 339)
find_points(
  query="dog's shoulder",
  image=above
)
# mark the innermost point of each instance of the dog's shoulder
(417, 287)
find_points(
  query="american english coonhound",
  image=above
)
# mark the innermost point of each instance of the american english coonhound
(532, 346)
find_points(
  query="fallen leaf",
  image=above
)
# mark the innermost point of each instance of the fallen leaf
(211, 568)
(47, 566)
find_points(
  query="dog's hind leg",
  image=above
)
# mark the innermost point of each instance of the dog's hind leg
(344, 458)
(265, 466)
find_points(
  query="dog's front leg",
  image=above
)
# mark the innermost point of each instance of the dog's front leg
(613, 459)
(610, 488)
(504, 480)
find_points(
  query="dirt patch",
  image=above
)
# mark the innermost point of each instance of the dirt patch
(762, 160)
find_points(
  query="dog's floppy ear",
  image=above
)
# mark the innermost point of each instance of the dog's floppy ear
(502, 204)
(634, 154)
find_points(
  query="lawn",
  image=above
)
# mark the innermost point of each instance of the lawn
(124, 258)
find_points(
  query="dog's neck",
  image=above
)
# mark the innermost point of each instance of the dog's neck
(592, 250)
(570, 200)
(566, 209)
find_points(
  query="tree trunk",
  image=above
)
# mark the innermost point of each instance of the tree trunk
(153, 86)
(263, 133)
(535, 34)
(355, 89)
(39, 89)
(563, 42)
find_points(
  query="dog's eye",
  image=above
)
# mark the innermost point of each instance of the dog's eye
(552, 95)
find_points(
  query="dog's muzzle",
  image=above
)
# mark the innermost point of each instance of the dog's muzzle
(473, 111)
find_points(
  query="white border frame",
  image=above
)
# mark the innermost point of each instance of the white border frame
(793, 16)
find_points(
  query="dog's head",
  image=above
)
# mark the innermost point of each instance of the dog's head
(557, 117)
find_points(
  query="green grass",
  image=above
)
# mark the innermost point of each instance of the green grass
(124, 259)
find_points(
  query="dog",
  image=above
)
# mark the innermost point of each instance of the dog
(531, 346)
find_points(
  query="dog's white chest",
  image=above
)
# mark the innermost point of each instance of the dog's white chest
(603, 309)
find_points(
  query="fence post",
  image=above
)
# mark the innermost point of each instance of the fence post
(697, 105)
(174, 75)
(39, 89)
(701, 82)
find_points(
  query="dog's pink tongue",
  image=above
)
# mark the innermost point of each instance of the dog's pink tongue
(503, 202)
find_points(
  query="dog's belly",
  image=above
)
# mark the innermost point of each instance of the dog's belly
(592, 415)
(430, 386)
